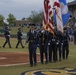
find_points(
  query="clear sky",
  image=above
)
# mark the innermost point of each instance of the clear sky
(21, 8)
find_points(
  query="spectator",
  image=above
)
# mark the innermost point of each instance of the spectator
(71, 34)
(75, 36)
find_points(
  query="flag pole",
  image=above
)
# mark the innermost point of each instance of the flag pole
(53, 11)
(53, 14)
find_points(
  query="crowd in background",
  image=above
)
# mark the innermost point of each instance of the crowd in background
(71, 26)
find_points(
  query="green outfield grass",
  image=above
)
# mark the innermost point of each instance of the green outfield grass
(15, 29)
(13, 42)
(17, 70)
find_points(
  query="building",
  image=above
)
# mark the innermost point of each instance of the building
(72, 8)
(22, 22)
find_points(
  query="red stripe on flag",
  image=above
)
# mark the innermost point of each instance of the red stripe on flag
(51, 21)
(50, 27)
(50, 13)
(47, 21)
(49, 7)
(44, 19)
(56, 4)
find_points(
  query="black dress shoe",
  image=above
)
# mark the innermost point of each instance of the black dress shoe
(46, 62)
(31, 65)
(60, 60)
(54, 61)
(23, 47)
(10, 47)
(16, 47)
(35, 64)
(66, 57)
(50, 61)
(3, 46)
(41, 62)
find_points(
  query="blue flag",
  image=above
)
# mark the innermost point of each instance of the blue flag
(65, 12)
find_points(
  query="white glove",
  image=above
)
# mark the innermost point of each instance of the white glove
(42, 31)
(48, 43)
(57, 43)
(62, 43)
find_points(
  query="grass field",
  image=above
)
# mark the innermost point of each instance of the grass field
(17, 70)
(15, 29)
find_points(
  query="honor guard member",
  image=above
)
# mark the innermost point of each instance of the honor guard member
(43, 43)
(50, 50)
(59, 44)
(32, 39)
(19, 37)
(53, 47)
(7, 37)
(65, 44)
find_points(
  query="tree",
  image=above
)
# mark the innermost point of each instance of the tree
(36, 17)
(11, 19)
(1, 20)
(23, 18)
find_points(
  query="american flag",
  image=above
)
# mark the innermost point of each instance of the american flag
(58, 15)
(47, 14)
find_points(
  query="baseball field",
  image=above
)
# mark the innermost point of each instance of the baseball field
(15, 61)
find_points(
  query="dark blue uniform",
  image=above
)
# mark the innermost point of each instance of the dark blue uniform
(53, 48)
(19, 37)
(59, 44)
(50, 46)
(7, 37)
(32, 39)
(43, 43)
(65, 44)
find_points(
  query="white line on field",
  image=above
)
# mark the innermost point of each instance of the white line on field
(16, 64)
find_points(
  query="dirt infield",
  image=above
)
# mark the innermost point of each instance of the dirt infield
(9, 58)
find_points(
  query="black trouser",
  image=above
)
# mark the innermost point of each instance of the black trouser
(19, 42)
(7, 41)
(50, 53)
(54, 52)
(65, 51)
(43, 51)
(59, 50)
(32, 55)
